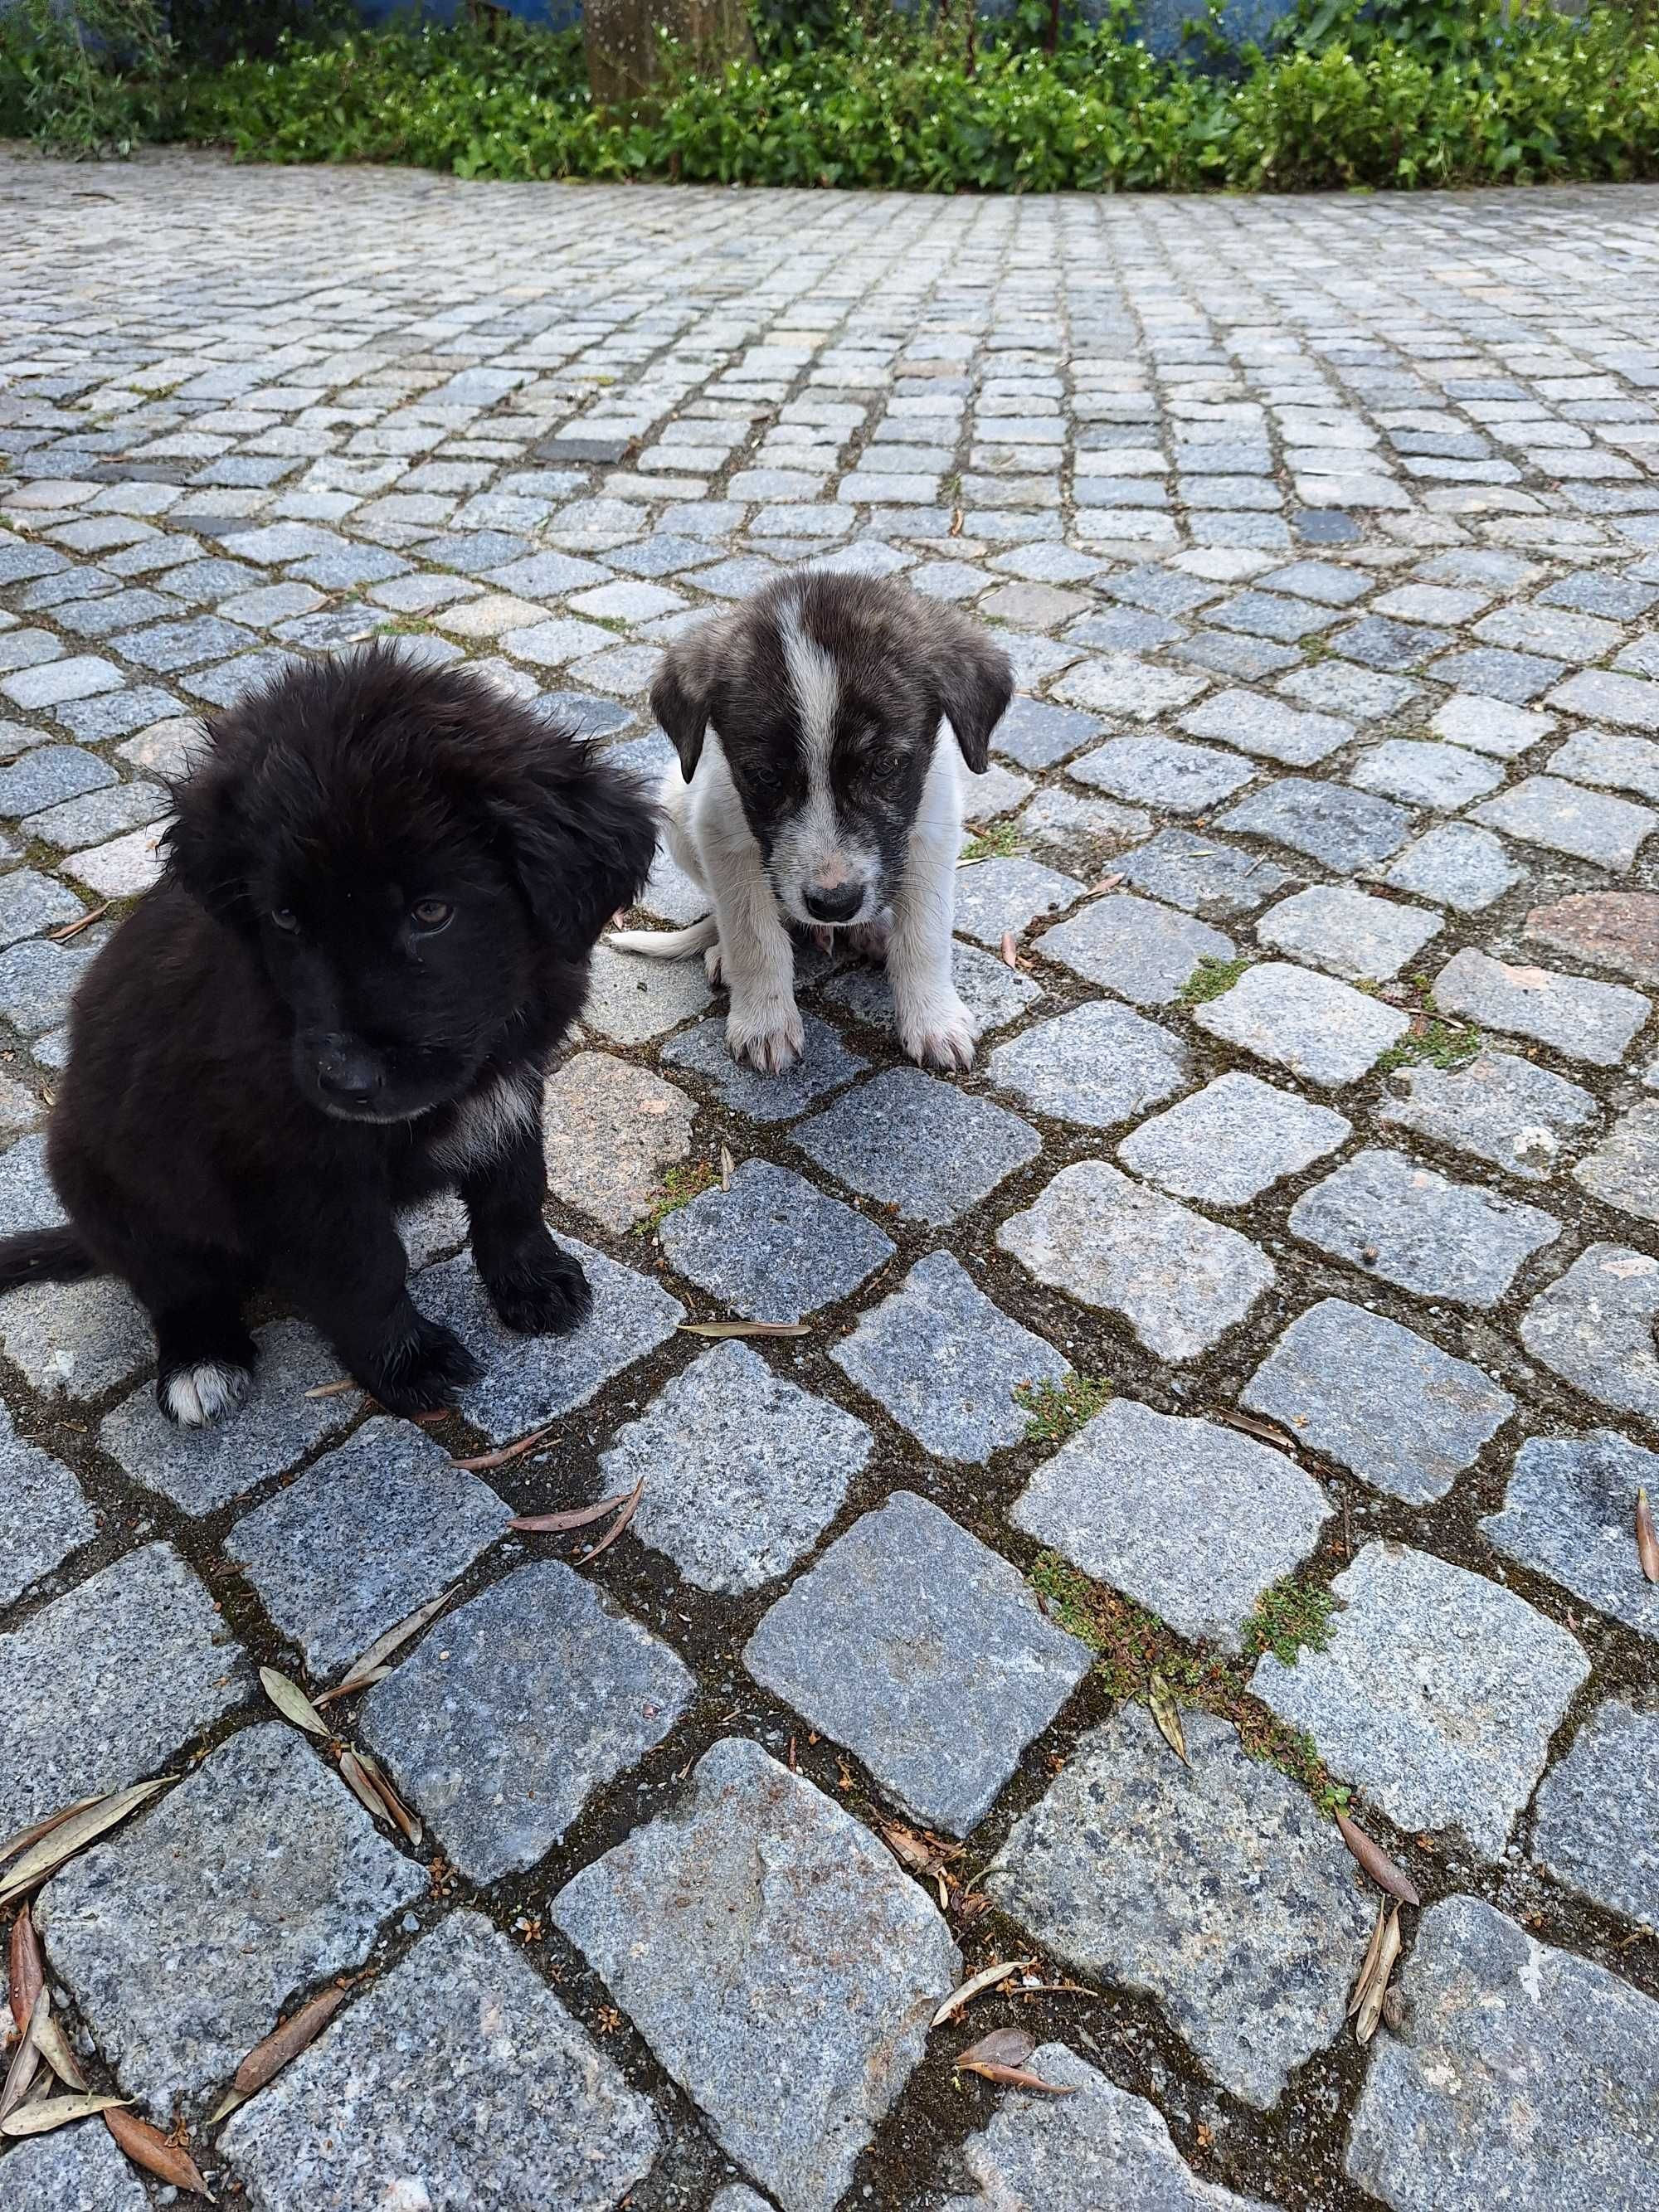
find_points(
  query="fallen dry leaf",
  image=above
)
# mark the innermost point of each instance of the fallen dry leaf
(1166, 1711)
(1358, 1997)
(1371, 2010)
(1376, 1862)
(577, 1516)
(332, 1389)
(1015, 2076)
(916, 1852)
(267, 2059)
(26, 2059)
(24, 1837)
(745, 1328)
(46, 2113)
(485, 1460)
(53, 2046)
(630, 1504)
(356, 1780)
(1008, 951)
(987, 1978)
(1266, 1429)
(147, 2146)
(291, 1703)
(357, 1674)
(25, 1973)
(1003, 2046)
(728, 1168)
(73, 1833)
(1107, 883)
(401, 1817)
(349, 1688)
(1647, 1540)
(74, 928)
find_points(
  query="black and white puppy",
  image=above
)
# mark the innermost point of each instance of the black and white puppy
(817, 785)
(383, 883)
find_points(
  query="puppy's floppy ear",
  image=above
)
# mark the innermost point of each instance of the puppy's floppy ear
(684, 690)
(207, 846)
(974, 680)
(580, 836)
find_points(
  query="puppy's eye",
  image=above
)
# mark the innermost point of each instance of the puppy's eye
(887, 763)
(430, 914)
(285, 919)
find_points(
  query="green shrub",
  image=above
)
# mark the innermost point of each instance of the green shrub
(83, 80)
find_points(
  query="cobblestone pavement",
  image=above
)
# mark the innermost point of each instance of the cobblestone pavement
(1319, 1117)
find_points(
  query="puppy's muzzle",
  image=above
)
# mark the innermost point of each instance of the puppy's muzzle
(349, 1077)
(833, 903)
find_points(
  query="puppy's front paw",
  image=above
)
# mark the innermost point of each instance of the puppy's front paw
(767, 1035)
(540, 1291)
(192, 1397)
(940, 1033)
(423, 1370)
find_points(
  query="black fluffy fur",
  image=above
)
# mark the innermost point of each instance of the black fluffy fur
(382, 887)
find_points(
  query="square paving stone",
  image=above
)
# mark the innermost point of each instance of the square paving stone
(824, 1065)
(30, 902)
(99, 1687)
(1222, 1894)
(529, 1380)
(1096, 2147)
(1579, 1019)
(1203, 874)
(76, 1341)
(1624, 1170)
(1437, 1691)
(1318, 1028)
(631, 1001)
(873, 1645)
(946, 1362)
(1420, 773)
(996, 897)
(919, 1146)
(371, 1530)
(48, 776)
(56, 683)
(1593, 1828)
(1456, 865)
(1232, 1140)
(1144, 951)
(460, 2070)
(257, 1876)
(1189, 1519)
(1490, 725)
(1343, 828)
(609, 1130)
(1610, 929)
(1098, 1064)
(743, 1469)
(1261, 726)
(201, 1469)
(1356, 1388)
(77, 2169)
(992, 993)
(1176, 778)
(1570, 1512)
(1601, 756)
(1517, 1115)
(43, 1514)
(772, 1247)
(1180, 1281)
(1393, 1217)
(505, 1719)
(795, 2041)
(1524, 2076)
(1348, 931)
(1564, 817)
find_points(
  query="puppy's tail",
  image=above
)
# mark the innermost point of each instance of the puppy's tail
(668, 944)
(44, 1255)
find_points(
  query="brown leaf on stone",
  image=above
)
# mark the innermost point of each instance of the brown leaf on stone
(1266, 1430)
(291, 1702)
(578, 1517)
(630, 1506)
(25, 1973)
(267, 2059)
(26, 2059)
(1015, 2076)
(1376, 1862)
(1358, 1998)
(906, 1844)
(1647, 1540)
(356, 1675)
(46, 2113)
(402, 1818)
(74, 928)
(349, 1688)
(53, 2046)
(355, 1777)
(1371, 2009)
(147, 2146)
(1003, 2046)
(1166, 1711)
(21, 1838)
(485, 1460)
(333, 1389)
(1008, 951)
(723, 1329)
(728, 1168)
(987, 1978)
(64, 1837)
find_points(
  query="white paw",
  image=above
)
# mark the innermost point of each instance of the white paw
(712, 966)
(869, 940)
(940, 1033)
(196, 1396)
(767, 1035)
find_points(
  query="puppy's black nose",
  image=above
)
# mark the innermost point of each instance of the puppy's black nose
(352, 1078)
(839, 904)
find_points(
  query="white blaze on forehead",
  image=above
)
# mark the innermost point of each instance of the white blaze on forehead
(817, 693)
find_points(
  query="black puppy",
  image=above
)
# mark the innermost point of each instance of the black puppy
(382, 887)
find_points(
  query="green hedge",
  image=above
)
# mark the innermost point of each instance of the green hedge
(1407, 93)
